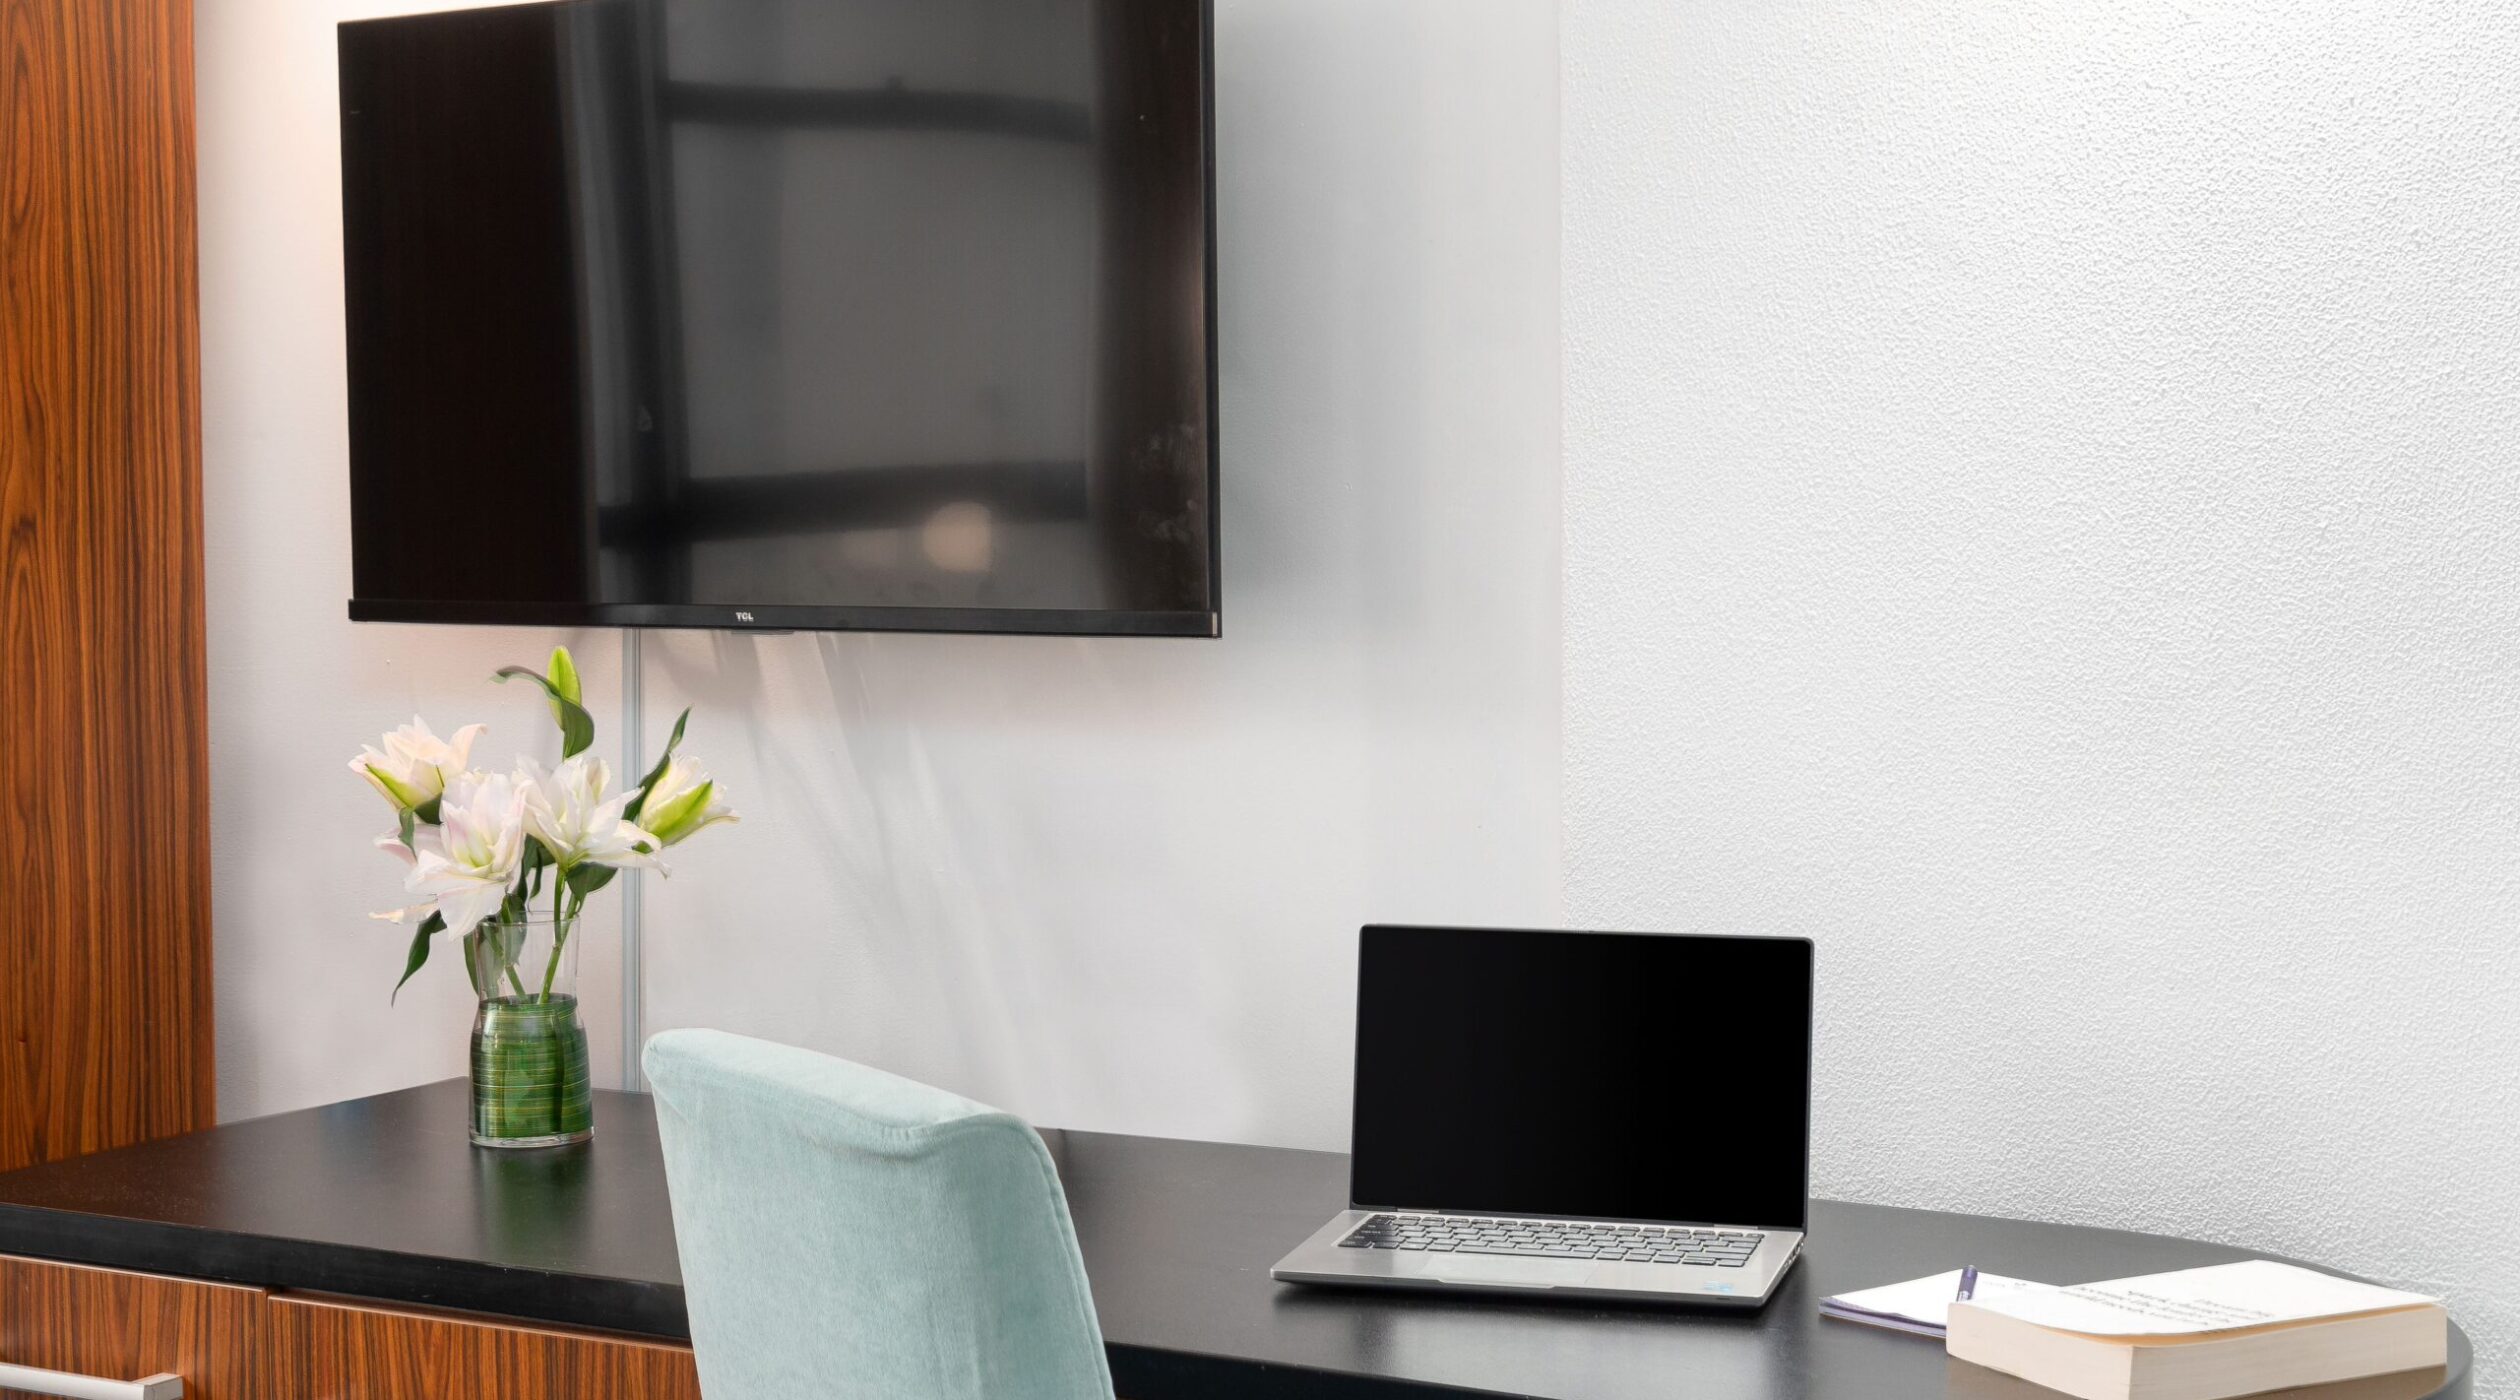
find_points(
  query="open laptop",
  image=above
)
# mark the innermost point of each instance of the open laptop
(1610, 1115)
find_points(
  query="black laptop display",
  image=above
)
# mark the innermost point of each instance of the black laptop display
(1621, 1076)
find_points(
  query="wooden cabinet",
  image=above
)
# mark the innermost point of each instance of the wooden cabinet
(231, 1343)
(342, 1349)
(104, 806)
(123, 1327)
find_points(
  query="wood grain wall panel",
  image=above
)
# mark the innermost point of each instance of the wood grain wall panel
(341, 1349)
(119, 1326)
(105, 1010)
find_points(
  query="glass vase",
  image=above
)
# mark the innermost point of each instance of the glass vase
(530, 1083)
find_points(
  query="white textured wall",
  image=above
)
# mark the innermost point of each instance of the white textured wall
(2042, 518)
(1107, 883)
(295, 688)
(1117, 883)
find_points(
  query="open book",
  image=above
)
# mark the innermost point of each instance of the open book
(2201, 1334)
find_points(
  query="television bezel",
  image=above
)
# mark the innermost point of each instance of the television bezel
(1054, 622)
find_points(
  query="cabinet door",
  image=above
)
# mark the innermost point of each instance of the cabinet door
(105, 1035)
(338, 1349)
(124, 1327)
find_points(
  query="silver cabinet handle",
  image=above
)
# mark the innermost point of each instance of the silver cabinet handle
(70, 1387)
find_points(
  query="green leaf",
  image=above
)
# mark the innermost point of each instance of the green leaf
(587, 879)
(429, 927)
(648, 783)
(407, 830)
(472, 962)
(577, 727)
(429, 811)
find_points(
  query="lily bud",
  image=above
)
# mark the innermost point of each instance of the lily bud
(563, 675)
(682, 802)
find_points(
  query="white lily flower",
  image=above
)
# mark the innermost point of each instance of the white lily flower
(566, 810)
(415, 765)
(682, 803)
(468, 862)
(392, 844)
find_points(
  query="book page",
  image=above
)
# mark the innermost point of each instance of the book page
(2255, 1293)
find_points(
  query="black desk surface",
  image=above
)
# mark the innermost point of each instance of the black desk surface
(383, 1197)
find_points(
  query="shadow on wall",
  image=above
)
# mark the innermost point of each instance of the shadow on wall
(1116, 883)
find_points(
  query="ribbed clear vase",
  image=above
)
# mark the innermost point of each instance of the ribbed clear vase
(530, 1081)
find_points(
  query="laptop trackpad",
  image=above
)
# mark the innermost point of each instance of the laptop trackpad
(1525, 1272)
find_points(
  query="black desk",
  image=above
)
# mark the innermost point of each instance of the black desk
(384, 1198)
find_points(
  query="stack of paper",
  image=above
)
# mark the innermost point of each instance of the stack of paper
(1921, 1305)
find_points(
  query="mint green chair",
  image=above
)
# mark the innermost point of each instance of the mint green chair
(845, 1233)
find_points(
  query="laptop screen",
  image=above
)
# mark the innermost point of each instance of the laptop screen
(1613, 1075)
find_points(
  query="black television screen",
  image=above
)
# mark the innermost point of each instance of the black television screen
(889, 314)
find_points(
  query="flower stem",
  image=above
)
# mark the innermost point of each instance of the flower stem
(559, 935)
(511, 912)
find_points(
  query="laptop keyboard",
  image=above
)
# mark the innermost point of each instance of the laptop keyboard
(1557, 1239)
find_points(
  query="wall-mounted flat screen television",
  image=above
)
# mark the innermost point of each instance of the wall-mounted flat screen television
(862, 314)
